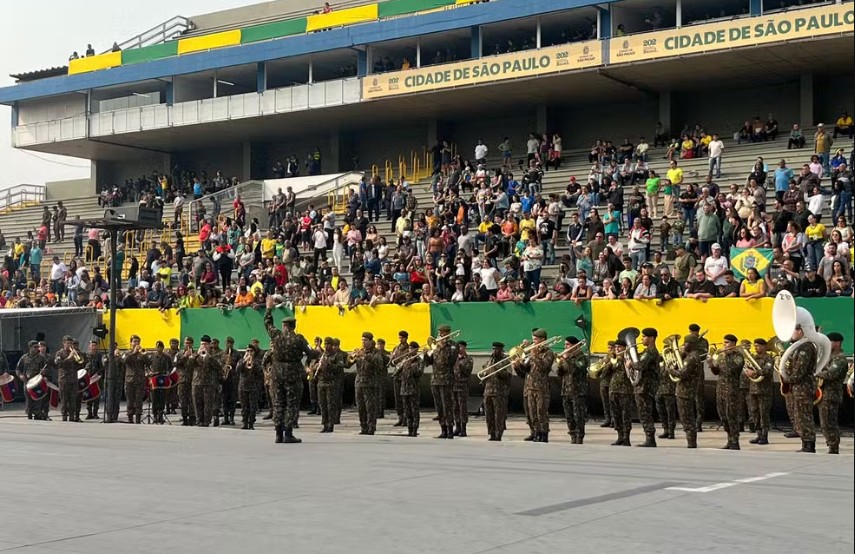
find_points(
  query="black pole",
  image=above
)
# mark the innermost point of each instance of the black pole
(111, 412)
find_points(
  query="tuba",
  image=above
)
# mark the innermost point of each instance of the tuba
(629, 337)
(786, 318)
(671, 357)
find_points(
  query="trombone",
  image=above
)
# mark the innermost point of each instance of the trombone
(574, 349)
(432, 343)
(517, 354)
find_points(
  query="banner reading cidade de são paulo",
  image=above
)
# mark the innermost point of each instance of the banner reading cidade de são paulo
(790, 25)
(555, 59)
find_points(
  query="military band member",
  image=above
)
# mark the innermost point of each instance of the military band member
(382, 379)
(686, 389)
(289, 347)
(368, 363)
(645, 390)
(81, 364)
(620, 397)
(32, 363)
(172, 393)
(400, 351)
(496, 390)
(789, 404)
(460, 389)
(183, 362)
(605, 381)
(666, 403)
(267, 365)
(573, 372)
(703, 346)
(135, 364)
(50, 372)
(536, 367)
(329, 370)
(159, 364)
(230, 381)
(802, 381)
(745, 411)
(249, 375)
(311, 380)
(68, 387)
(215, 384)
(410, 379)
(95, 366)
(338, 394)
(727, 365)
(832, 377)
(206, 379)
(761, 391)
(441, 381)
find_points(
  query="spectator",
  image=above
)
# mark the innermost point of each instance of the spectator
(752, 286)
(813, 285)
(844, 126)
(716, 148)
(822, 146)
(701, 288)
(839, 284)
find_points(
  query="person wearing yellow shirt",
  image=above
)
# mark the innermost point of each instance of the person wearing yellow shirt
(187, 299)
(268, 246)
(844, 126)
(815, 236)
(431, 219)
(687, 148)
(527, 226)
(256, 288)
(165, 273)
(675, 178)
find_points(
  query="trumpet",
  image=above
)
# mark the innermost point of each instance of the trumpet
(355, 356)
(77, 357)
(715, 352)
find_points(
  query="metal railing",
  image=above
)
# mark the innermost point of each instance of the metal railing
(21, 196)
(159, 34)
(225, 196)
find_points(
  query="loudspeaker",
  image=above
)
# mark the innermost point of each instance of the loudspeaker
(100, 332)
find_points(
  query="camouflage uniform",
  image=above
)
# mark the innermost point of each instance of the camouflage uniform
(460, 393)
(573, 373)
(287, 373)
(745, 411)
(761, 398)
(645, 392)
(441, 381)
(95, 366)
(329, 371)
(727, 394)
(135, 365)
(536, 369)
(699, 394)
(185, 390)
(172, 393)
(250, 379)
(686, 393)
(382, 380)
(620, 398)
(398, 354)
(338, 390)
(160, 364)
(666, 403)
(68, 385)
(496, 390)
(605, 382)
(30, 365)
(368, 367)
(267, 391)
(832, 395)
(206, 378)
(216, 384)
(410, 377)
(231, 357)
(803, 385)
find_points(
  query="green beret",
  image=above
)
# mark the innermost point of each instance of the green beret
(612, 343)
(462, 343)
(188, 339)
(761, 342)
(444, 328)
(650, 332)
(329, 340)
(32, 343)
(835, 337)
(414, 344)
(572, 340)
(691, 340)
(695, 328)
(368, 335)
(68, 337)
(230, 340)
(731, 338)
(403, 334)
(290, 320)
(337, 342)
(498, 344)
(539, 333)
(205, 339)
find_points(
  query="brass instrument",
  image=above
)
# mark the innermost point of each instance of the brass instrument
(746, 353)
(432, 343)
(248, 358)
(849, 380)
(715, 352)
(672, 360)
(629, 337)
(355, 356)
(574, 349)
(227, 367)
(516, 354)
(77, 357)
(600, 365)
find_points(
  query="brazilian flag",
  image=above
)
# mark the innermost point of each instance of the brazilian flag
(743, 259)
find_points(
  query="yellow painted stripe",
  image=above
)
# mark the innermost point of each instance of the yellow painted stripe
(94, 63)
(209, 42)
(385, 322)
(150, 325)
(341, 18)
(464, 2)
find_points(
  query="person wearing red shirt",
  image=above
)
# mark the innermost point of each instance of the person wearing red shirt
(205, 233)
(280, 272)
(239, 212)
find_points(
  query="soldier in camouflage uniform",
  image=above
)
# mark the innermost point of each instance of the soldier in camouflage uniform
(32, 363)
(801, 379)
(159, 364)
(686, 389)
(496, 389)
(51, 373)
(703, 346)
(605, 381)
(398, 354)
(230, 382)
(382, 379)
(620, 397)
(728, 366)
(267, 392)
(338, 393)
(573, 372)
(172, 393)
(832, 377)
(135, 364)
(761, 391)
(368, 366)
(460, 389)
(746, 413)
(329, 371)
(249, 374)
(95, 366)
(183, 362)
(645, 390)
(666, 403)
(206, 376)
(287, 373)
(441, 381)
(68, 386)
(410, 378)
(311, 381)
(216, 384)
(536, 367)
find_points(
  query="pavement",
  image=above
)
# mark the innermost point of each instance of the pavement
(114, 489)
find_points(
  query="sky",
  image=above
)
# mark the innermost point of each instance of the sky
(43, 33)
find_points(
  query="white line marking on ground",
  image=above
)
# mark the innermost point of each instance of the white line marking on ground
(719, 486)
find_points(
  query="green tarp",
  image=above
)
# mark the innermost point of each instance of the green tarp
(270, 31)
(150, 53)
(833, 314)
(483, 323)
(243, 324)
(401, 7)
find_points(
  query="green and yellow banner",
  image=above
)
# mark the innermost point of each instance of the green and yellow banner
(743, 259)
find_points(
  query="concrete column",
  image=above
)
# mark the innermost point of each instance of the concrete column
(679, 13)
(755, 7)
(475, 50)
(665, 111)
(246, 161)
(361, 63)
(542, 119)
(418, 51)
(216, 83)
(604, 23)
(261, 77)
(538, 41)
(806, 100)
(170, 93)
(311, 70)
(14, 115)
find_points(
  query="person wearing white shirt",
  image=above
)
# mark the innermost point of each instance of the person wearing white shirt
(641, 150)
(716, 147)
(57, 276)
(715, 266)
(481, 152)
(532, 259)
(489, 277)
(815, 202)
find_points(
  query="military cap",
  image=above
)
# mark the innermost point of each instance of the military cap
(835, 337)
(205, 339)
(539, 333)
(68, 338)
(32, 343)
(230, 340)
(42, 343)
(368, 335)
(612, 343)
(498, 344)
(337, 342)
(462, 343)
(444, 328)
(403, 334)
(137, 337)
(93, 341)
(695, 328)
(691, 340)
(290, 320)
(761, 342)
(650, 332)
(215, 341)
(731, 338)
(75, 342)
(572, 340)
(381, 341)
(159, 343)
(188, 339)
(328, 340)
(414, 344)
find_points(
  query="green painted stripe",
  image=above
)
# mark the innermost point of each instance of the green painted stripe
(150, 53)
(402, 7)
(270, 31)
(242, 324)
(832, 314)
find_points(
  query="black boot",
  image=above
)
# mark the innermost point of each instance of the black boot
(399, 423)
(835, 449)
(544, 437)
(463, 430)
(492, 437)
(580, 439)
(444, 434)
(756, 440)
(671, 434)
(450, 433)
(290, 438)
(663, 435)
(381, 414)
(363, 431)
(751, 427)
(606, 423)
(764, 437)
(416, 431)
(811, 447)
(268, 416)
(726, 446)
(457, 431)
(649, 442)
(184, 422)
(792, 435)
(279, 434)
(530, 438)
(692, 443)
(245, 426)
(735, 445)
(216, 421)
(138, 419)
